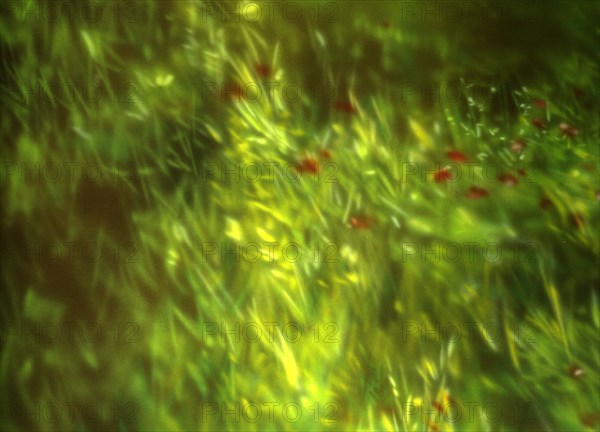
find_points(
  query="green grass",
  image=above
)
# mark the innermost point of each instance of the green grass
(155, 132)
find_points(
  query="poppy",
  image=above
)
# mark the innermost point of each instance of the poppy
(546, 203)
(309, 165)
(262, 70)
(476, 192)
(508, 179)
(325, 154)
(457, 156)
(345, 107)
(442, 176)
(569, 130)
(540, 103)
(518, 145)
(538, 123)
(362, 222)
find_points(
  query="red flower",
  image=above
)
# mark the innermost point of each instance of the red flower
(476, 192)
(546, 203)
(518, 145)
(508, 179)
(309, 165)
(262, 70)
(569, 130)
(362, 222)
(346, 107)
(522, 172)
(540, 103)
(538, 123)
(457, 156)
(325, 154)
(442, 176)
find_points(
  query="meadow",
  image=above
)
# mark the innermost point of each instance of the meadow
(300, 215)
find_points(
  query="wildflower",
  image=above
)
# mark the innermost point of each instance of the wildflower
(309, 165)
(362, 222)
(538, 123)
(457, 156)
(325, 154)
(518, 145)
(346, 107)
(442, 176)
(569, 130)
(262, 70)
(508, 179)
(476, 192)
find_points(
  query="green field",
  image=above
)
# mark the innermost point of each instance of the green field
(300, 215)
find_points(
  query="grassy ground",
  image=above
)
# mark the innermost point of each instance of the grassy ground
(116, 275)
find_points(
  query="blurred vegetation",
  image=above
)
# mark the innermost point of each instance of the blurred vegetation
(158, 123)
